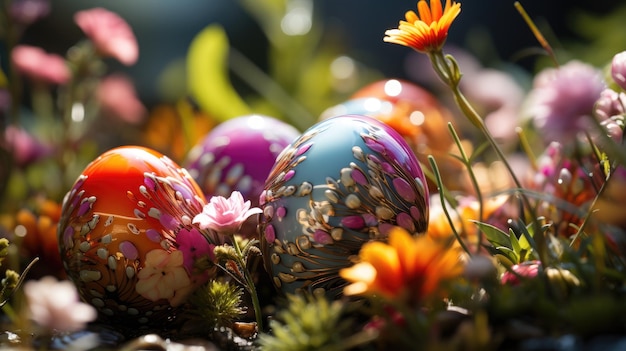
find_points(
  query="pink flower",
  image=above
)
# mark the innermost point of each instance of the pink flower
(563, 99)
(163, 277)
(225, 216)
(110, 34)
(36, 64)
(118, 98)
(618, 69)
(55, 305)
(27, 12)
(528, 269)
(194, 246)
(24, 147)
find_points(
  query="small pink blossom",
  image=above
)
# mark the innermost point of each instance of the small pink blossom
(163, 277)
(118, 98)
(110, 34)
(194, 246)
(55, 305)
(618, 69)
(528, 269)
(36, 64)
(24, 147)
(225, 216)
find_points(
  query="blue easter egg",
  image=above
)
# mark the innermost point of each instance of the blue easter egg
(345, 181)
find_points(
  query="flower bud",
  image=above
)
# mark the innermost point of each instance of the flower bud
(618, 69)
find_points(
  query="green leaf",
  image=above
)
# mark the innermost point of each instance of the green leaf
(515, 243)
(207, 75)
(495, 235)
(510, 256)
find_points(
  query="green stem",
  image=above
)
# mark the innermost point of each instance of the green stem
(448, 70)
(250, 286)
(479, 195)
(433, 164)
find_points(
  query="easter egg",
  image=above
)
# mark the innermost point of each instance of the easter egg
(126, 238)
(238, 155)
(414, 113)
(345, 181)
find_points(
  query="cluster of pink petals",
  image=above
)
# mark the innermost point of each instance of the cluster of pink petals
(110, 34)
(225, 216)
(24, 147)
(610, 109)
(117, 97)
(563, 98)
(55, 305)
(618, 69)
(37, 64)
(528, 269)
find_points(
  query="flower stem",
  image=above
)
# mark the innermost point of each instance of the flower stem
(448, 70)
(250, 286)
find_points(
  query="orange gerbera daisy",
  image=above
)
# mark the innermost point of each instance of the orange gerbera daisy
(427, 30)
(408, 268)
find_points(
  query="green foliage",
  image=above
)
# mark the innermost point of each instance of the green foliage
(218, 303)
(308, 323)
(510, 248)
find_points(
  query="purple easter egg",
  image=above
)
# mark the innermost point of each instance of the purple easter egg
(238, 155)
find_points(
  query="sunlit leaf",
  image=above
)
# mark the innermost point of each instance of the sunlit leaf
(207, 75)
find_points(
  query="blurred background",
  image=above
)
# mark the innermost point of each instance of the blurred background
(490, 29)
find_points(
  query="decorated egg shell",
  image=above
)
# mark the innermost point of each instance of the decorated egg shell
(345, 181)
(120, 236)
(414, 113)
(238, 155)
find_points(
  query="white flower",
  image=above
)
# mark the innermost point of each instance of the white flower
(55, 305)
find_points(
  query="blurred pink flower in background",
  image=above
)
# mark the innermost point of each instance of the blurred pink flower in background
(499, 95)
(110, 34)
(55, 305)
(37, 64)
(26, 12)
(618, 69)
(610, 109)
(225, 216)
(24, 147)
(528, 269)
(117, 97)
(563, 98)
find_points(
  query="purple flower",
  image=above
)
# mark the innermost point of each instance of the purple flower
(618, 69)
(563, 98)
(27, 12)
(193, 246)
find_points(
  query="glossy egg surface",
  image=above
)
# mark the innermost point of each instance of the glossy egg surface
(118, 235)
(238, 155)
(345, 181)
